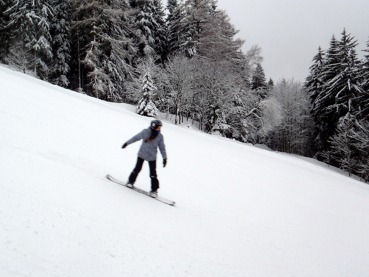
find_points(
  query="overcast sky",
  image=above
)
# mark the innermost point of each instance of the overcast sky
(290, 31)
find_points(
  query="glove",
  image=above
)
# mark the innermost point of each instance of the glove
(124, 145)
(164, 162)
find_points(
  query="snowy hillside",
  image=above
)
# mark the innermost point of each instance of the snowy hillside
(241, 210)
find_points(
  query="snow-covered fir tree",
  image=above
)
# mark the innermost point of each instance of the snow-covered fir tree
(160, 33)
(314, 86)
(120, 65)
(364, 77)
(210, 34)
(326, 118)
(146, 26)
(176, 34)
(314, 82)
(217, 38)
(4, 30)
(88, 31)
(236, 116)
(349, 146)
(29, 22)
(270, 84)
(250, 118)
(61, 42)
(345, 86)
(336, 85)
(365, 68)
(103, 51)
(258, 81)
(146, 106)
(197, 15)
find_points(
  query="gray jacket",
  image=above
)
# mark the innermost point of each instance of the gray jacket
(149, 149)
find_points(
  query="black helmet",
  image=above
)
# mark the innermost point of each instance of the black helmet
(155, 124)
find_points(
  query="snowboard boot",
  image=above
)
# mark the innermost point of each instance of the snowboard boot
(131, 186)
(154, 194)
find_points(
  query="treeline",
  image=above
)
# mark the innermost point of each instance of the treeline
(98, 46)
(185, 60)
(338, 86)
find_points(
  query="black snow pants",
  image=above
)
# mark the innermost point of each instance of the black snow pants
(153, 175)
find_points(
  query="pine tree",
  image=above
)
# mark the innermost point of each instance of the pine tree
(61, 42)
(364, 77)
(104, 52)
(160, 33)
(346, 84)
(270, 84)
(176, 34)
(365, 69)
(4, 30)
(98, 80)
(329, 71)
(120, 64)
(12, 49)
(209, 33)
(197, 15)
(340, 90)
(314, 86)
(145, 28)
(349, 146)
(30, 23)
(314, 82)
(258, 81)
(341, 153)
(217, 40)
(146, 106)
(324, 122)
(235, 117)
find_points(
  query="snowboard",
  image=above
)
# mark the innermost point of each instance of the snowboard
(159, 198)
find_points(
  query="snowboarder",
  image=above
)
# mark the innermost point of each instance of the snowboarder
(152, 139)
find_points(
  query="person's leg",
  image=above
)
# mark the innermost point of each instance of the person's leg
(136, 171)
(153, 176)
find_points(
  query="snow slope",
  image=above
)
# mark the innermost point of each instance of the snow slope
(241, 210)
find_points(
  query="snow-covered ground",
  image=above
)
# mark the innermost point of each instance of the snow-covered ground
(241, 210)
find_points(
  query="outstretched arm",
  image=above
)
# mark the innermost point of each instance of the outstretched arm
(137, 137)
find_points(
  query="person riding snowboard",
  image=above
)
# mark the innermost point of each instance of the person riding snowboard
(152, 139)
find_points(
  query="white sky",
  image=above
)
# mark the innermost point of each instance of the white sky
(290, 31)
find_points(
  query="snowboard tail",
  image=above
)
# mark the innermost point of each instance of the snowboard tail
(159, 198)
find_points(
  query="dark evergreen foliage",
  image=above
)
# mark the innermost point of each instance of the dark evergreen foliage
(5, 31)
(103, 53)
(61, 43)
(363, 112)
(146, 106)
(29, 27)
(258, 81)
(176, 31)
(337, 88)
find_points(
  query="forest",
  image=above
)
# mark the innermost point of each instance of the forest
(186, 60)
